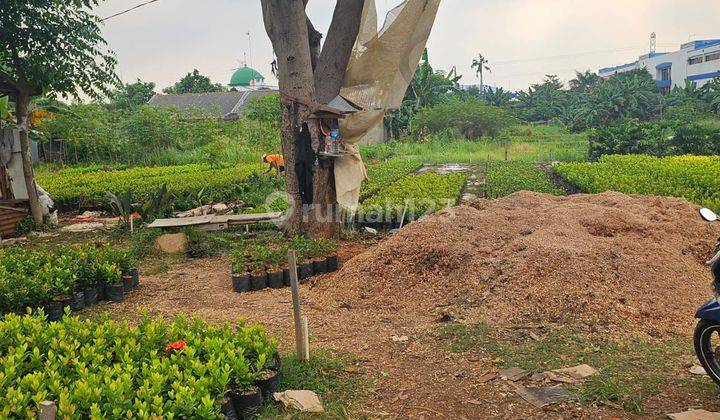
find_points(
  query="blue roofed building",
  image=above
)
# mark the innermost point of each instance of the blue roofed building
(696, 61)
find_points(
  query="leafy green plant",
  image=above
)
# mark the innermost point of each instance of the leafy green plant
(181, 368)
(416, 194)
(690, 177)
(469, 118)
(121, 205)
(205, 244)
(504, 178)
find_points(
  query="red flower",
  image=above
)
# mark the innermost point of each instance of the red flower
(177, 345)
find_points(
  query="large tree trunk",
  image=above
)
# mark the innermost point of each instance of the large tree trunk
(21, 108)
(286, 24)
(306, 72)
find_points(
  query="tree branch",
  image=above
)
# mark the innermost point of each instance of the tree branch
(335, 55)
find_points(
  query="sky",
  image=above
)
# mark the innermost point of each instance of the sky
(522, 39)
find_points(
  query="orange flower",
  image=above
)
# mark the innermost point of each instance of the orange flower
(177, 345)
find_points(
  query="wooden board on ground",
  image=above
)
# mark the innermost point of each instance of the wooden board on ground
(216, 222)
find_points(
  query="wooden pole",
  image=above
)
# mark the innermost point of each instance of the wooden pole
(306, 339)
(48, 410)
(299, 332)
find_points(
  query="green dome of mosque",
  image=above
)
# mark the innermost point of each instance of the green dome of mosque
(245, 76)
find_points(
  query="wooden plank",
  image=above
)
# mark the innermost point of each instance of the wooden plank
(238, 219)
(181, 221)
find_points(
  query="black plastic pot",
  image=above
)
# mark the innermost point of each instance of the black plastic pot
(228, 409)
(77, 300)
(135, 274)
(258, 281)
(275, 362)
(305, 270)
(268, 382)
(56, 308)
(332, 262)
(241, 282)
(100, 290)
(91, 295)
(275, 279)
(127, 282)
(247, 404)
(115, 292)
(286, 277)
(319, 267)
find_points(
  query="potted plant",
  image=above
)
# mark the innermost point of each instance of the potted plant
(301, 246)
(114, 288)
(240, 274)
(266, 379)
(60, 300)
(246, 397)
(273, 262)
(256, 267)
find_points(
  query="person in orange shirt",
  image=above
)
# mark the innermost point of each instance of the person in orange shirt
(276, 161)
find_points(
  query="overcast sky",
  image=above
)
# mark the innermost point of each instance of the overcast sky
(523, 39)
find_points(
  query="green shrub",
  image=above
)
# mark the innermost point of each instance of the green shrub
(423, 193)
(470, 119)
(111, 370)
(35, 277)
(504, 178)
(691, 177)
(89, 189)
(203, 244)
(632, 137)
(381, 175)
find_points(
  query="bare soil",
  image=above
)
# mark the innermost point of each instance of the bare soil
(606, 264)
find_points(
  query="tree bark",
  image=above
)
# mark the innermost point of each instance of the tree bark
(305, 71)
(21, 108)
(286, 25)
(336, 52)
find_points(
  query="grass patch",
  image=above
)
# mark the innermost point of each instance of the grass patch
(325, 374)
(630, 371)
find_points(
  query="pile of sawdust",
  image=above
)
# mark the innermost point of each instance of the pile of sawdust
(608, 261)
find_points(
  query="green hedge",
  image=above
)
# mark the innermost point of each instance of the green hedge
(694, 178)
(35, 277)
(504, 178)
(424, 193)
(87, 189)
(105, 369)
(381, 175)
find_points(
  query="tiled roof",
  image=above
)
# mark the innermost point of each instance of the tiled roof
(228, 105)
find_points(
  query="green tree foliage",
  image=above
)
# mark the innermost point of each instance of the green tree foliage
(195, 82)
(469, 118)
(427, 88)
(544, 101)
(132, 95)
(631, 94)
(480, 65)
(52, 47)
(584, 82)
(497, 97)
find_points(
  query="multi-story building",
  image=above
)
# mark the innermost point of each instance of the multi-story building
(696, 61)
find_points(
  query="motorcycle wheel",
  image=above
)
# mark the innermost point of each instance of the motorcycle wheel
(707, 347)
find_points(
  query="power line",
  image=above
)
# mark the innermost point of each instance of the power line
(564, 56)
(128, 10)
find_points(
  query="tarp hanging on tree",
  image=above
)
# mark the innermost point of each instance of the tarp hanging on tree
(380, 69)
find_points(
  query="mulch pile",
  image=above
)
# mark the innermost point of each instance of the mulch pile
(613, 262)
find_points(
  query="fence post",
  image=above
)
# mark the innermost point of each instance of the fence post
(48, 410)
(300, 333)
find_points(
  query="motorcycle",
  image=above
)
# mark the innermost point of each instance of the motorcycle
(707, 331)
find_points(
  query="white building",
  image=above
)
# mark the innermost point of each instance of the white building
(697, 61)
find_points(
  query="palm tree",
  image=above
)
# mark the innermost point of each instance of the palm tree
(480, 64)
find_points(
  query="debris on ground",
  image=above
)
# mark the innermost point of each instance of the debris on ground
(307, 401)
(572, 374)
(400, 338)
(82, 227)
(697, 370)
(172, 243)
(696, 414)
(544, 395)
(13, 241)
(512, 373)
(611, 262)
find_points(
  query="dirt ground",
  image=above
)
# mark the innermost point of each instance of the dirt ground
(417, 378)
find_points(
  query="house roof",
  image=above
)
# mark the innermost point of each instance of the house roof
(245, 76)
(228, 105)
